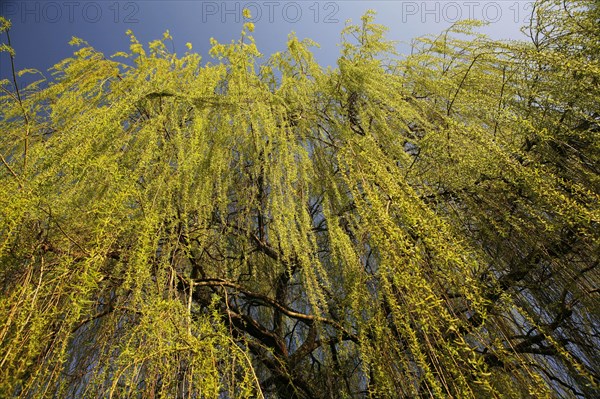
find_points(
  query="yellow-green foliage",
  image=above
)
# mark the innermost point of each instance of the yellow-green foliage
(424, 226)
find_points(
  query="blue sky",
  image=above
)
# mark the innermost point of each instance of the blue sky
(42, 29)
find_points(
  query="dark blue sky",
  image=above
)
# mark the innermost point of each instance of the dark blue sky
(42, 29)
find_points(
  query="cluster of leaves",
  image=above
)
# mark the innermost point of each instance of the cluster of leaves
(395, 227)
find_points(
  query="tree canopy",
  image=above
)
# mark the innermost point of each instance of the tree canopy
(419, 226)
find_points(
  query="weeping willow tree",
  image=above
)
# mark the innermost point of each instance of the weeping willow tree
(423, 226)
